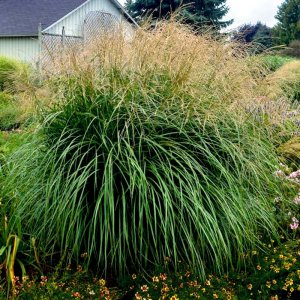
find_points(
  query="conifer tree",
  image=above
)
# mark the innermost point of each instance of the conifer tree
(195, 12)
(258, 35)
(288, 27)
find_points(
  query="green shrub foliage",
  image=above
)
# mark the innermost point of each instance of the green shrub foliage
(9, 112)
(274, 62)
(7, 68)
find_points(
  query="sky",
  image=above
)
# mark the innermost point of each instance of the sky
(251, 11)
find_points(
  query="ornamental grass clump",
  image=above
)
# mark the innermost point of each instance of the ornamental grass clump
(145, 153)
(285, 82)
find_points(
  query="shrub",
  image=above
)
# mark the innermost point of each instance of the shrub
(9, 112)
(11, 141)
(146, 154)
(293, 49)
(14, 90)
(290, 151)
(274, 62)
(8, 67)
(286, 81)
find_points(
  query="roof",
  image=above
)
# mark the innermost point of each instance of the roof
(22, 17)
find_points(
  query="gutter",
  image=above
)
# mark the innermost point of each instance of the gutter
(33, 35)
(125, 13)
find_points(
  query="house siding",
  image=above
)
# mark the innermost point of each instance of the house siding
(28, 48)
(22, 48)
(73, 23)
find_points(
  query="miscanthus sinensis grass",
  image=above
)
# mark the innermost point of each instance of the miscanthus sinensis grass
(285, 81)
(146, 152)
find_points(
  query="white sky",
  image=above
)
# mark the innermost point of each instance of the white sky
(251, 11)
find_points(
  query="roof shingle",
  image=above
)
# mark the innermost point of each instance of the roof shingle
(22, 17)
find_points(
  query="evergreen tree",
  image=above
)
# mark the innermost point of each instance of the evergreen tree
(196, 12)
(259, 35)
(288, 27)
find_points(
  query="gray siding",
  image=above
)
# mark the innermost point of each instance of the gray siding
(22, 48)
(73, 22)
(27, 48)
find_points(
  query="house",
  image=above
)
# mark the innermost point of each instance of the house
(25, 24)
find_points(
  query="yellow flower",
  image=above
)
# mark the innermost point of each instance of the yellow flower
(144, 288)
(289, 282)
(249, 286)
(215, 296)
(133, 276)
(187, 274)
(254, 252)
(165, 289)
(268, 284)
(195, 295)
(276, 270)
(292, 289)
(287, 266)
(138, 296)
(258, 267)
(274, 281)
(204, 290)
(174, 297)
(163, 277)
(281, 256)
(155, 279)
(195, 284)
(102, 282)
(207, 282)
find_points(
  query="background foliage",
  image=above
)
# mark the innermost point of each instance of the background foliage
(197, 13)
(288, 26)
(258, 36)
